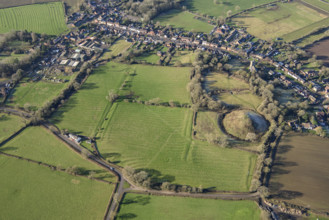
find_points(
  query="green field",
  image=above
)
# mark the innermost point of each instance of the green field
(38, 144)
(216, 8)
(31, 191)
(281, 20)
(46, 18)
(119, 47)
(207, 124)
(36, 94)
(159, 138)
(160, 207)
(86, 109)
(151, 58)
(322, 5)
(244, 99)
(9, 124)
(185, 57)
(223, 81)
(166, 83)
(185, 20)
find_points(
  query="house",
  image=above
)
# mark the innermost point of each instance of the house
(75, 138)
(308, 126)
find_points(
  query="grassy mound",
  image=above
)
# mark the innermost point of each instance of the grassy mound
(242, 123)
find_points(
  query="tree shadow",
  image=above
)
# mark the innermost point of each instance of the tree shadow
(112, 157)
(89, 86)
(141, 200)
(287, 195)
(3, 149)
(157, 178)
(127, 216)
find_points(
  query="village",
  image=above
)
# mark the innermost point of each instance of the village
(89, 38)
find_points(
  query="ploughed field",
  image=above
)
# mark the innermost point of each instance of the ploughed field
(300, 172)
(321, 50)
(48, 18)
(144, 207)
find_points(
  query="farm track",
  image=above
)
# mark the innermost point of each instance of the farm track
(117, 171)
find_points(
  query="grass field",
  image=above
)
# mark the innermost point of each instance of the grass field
(46, 18)
(322, 5)
(185, 20)
(73, 5)
(88, 107)
(30, 191)
(206, 124)
(9, 124)
(300, 171)
(288, 20)
(166, 83)
(119, 47)
(36, 94)
(86, 110)
(151, 58)
(244, 99)
(185, 57)
(38, 144)
(222, 81)
(166, 208)
(159, 139)
(215, 8)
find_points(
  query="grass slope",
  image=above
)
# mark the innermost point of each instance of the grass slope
(279, 21)
(9, 124)
(46, 18)
(161, 207)
(222, 81)
(85, 109)
(119, 47)
(39, 144)
(244, 99)
(215, 8)
(159, 138)
(36, 94)
(185, 20)
(30, 191)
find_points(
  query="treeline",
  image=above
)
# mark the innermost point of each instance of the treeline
(148, 9)
(8, 67)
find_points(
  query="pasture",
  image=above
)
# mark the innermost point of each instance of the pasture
(166, 208)
(184, 57)
(73, 5)
(243, 99)
(281, 20)
(319, 4)
(166, 83)
(158, 139)
(31, 191)
(118, 47)
(224, 82)
(207, 124)
(185, 20)
(39, 144)
(34, 94)
(48, 18)
(9, 124)
(220, 8)
(83, 112)
(300, 171)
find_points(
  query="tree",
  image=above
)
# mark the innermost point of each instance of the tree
(229, 13)
(263, 191)
(112, 96)
(237, 8)
(251, 136)
(320, 131)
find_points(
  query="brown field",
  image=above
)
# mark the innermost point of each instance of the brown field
(73, 5)
(321, 49)
(301, 172)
